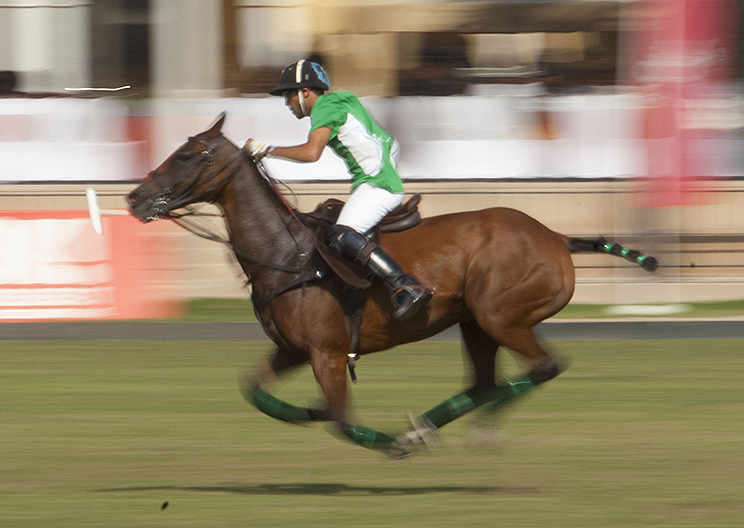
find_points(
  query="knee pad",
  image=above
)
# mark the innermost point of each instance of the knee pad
(345, 241)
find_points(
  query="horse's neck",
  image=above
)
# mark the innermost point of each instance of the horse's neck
(257, 221)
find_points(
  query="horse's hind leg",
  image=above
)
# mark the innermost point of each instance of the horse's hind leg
(521, 340)
(481, 349)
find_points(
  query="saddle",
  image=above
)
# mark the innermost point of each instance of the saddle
(317, 222)
(403, 217)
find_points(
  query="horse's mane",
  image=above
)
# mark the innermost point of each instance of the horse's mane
(323, 216)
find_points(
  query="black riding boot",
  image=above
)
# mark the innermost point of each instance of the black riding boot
(407, 294)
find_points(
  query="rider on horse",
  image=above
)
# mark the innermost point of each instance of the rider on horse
(340, 121)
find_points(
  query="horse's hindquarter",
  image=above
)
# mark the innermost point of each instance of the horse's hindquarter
(500, 261)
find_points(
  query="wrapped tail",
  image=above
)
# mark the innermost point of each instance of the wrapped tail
(600, 245)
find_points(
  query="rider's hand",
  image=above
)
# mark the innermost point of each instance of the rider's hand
(256, 148)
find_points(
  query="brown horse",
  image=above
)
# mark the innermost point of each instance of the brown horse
(496, 272)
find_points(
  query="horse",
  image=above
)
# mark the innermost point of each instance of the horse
(495, 272)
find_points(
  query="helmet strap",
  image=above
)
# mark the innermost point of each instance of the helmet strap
(302, 102)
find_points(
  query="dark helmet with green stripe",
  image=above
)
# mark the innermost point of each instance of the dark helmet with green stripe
(302, 74)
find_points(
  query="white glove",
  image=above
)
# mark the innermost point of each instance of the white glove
(256, 148)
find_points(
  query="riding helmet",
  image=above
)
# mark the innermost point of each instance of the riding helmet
(302, 74)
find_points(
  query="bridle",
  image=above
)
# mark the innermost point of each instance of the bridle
(179, 194)
(165, 202)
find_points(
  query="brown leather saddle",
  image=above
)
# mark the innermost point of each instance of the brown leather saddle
(403, 217)
(352, 274)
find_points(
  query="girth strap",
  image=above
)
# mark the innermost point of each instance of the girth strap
(305, 277)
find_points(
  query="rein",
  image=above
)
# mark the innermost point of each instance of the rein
(337, 263)
(203, 232)
(164, 206)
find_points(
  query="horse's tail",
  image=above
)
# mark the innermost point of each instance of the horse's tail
(600, 245)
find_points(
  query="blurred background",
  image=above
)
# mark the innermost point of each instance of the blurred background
(622, 118)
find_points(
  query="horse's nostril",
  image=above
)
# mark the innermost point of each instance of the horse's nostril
(133, 197)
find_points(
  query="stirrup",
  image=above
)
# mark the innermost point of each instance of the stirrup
(416, 297)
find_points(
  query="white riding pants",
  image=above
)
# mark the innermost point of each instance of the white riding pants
(366, 206)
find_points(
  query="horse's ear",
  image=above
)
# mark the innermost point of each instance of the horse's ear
(216, 129)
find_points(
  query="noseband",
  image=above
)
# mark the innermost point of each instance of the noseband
(167, 200)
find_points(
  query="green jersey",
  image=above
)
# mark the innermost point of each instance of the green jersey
(355, 137)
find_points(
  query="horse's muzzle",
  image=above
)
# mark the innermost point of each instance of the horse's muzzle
(146, 208)
(137, 204)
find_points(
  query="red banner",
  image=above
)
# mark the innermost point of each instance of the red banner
(680, 53)
(55, 267)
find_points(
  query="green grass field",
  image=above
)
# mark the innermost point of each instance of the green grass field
(637, 433)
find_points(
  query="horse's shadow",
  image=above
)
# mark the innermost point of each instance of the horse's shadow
(332, 489)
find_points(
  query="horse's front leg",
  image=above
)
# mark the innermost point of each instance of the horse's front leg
(270, 369)
(254, 383)
(329, 367)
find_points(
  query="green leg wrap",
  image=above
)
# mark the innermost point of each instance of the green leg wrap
(276, 408)
(461, 404)
(366, 437)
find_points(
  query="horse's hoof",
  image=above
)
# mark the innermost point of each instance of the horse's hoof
(548, 369)
(398, 451)
(423, 433)
(246, 385)
(563, 362)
